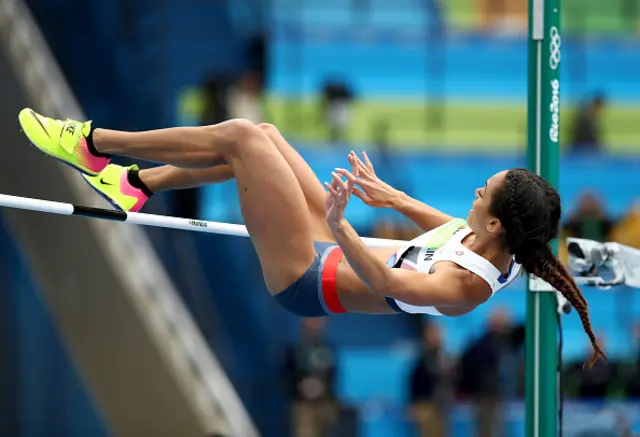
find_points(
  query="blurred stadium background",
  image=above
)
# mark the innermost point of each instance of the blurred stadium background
(436, 92)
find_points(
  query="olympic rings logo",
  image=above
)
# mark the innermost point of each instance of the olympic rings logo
(554, 48)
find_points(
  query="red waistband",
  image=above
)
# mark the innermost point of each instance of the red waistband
(329, 275)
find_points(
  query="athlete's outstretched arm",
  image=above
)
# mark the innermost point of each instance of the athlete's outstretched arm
(379, 194)
(445, 287)
(450, 288)
(423, 215)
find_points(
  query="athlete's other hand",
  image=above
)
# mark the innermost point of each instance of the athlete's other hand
(374, 192)
(339, 193)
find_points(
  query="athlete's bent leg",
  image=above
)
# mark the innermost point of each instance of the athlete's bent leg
(168, 177)
(190, 147)
(172, 178)
(312, 188)
(271, 199)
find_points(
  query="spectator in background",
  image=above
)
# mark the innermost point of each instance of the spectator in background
(336, 109)
(589, 220)
(395, 230)
(245, 97)
(214, 99)
(502, 17)
(586, 135)
(633, 382)
(310, 370)
(431, 388)
(627, 230)
(481, 372)
(593, 383)
(186, 203)
(391, 167)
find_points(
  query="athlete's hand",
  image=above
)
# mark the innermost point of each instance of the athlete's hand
(339, 193)
(374, 192)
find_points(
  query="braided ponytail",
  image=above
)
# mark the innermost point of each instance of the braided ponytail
(542, 263)
(529, 210)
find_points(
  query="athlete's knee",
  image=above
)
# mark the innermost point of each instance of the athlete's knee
(241, 129)
(235, 133)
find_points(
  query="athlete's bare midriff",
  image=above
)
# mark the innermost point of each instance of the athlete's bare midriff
(355, 296)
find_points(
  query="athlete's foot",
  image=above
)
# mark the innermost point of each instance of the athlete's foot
(68, 141)
(121, 186)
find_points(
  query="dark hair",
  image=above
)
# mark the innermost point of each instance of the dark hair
(529, 209)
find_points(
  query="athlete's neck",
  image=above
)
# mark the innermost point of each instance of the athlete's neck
(490, 249)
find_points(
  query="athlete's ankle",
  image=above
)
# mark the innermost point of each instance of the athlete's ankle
(133, 176)
(91, 146)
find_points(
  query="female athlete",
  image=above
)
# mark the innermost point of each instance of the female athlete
(313, 262)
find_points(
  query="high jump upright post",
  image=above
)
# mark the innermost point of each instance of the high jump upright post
(543, 132)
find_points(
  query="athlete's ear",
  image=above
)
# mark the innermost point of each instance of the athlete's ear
(494, 226)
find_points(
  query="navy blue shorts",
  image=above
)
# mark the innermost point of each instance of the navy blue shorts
(304, 297)
(314, 294)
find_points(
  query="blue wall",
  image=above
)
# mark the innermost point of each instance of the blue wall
(406, 49)
(39, 383)
(141, 53)
(448, 181)
(396, 63)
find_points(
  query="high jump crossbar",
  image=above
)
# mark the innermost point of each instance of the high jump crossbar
(139, 218)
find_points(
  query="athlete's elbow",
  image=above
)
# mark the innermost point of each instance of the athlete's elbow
(400, 290)
(383, 285)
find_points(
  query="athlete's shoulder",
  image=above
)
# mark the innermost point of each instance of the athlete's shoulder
(441, 235)
(456, 223)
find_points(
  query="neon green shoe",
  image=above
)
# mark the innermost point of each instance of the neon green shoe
(114, 186)
(64, 140)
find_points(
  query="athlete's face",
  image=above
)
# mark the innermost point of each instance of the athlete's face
(480, 219)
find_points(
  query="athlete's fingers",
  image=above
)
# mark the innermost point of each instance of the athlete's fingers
(358, 193)
(334, 184)
(352, 182)
(361, 195)
(351, 179)
(364, 171)
(363, 183)
(368, 162)
(353, 157)
(354, 166)
(347, 174)
(328, 202)
(331, 190)
(342, 184)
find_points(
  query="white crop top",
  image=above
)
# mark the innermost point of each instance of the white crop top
(444, 243)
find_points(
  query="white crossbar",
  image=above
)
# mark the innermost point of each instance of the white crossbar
(138, 218)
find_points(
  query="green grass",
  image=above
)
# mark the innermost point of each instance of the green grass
(591, 17)
(454, 126)
(611, 17)
(460, 14)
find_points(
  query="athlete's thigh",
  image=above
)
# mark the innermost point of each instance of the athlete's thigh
(312, 188)
(273, 208)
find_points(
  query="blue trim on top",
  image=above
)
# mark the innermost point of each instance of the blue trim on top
(502, 279)
(393, 304)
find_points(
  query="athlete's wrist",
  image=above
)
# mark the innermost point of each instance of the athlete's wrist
(399, 200)
(339, 226)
